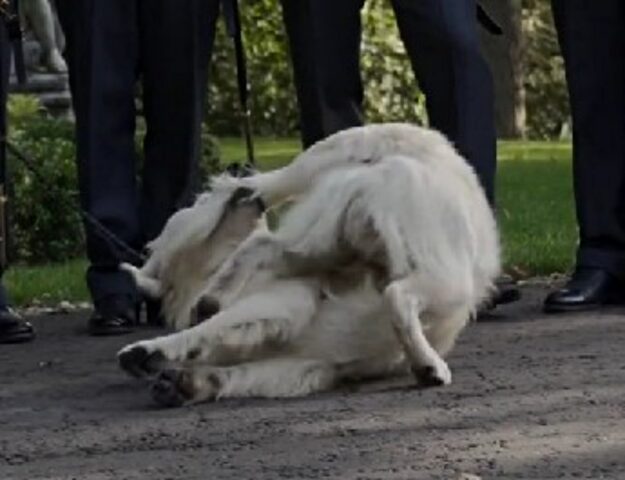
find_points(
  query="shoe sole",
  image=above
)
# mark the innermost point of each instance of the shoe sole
(581, 308)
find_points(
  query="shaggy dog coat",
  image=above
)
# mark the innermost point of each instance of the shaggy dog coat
(386, 251)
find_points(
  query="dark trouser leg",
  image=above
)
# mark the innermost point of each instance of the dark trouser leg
(175, 42)
(442, 41)
(324, 38)
(592, 37)
(102, 50)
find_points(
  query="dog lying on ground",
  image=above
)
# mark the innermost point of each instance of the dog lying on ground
(387, 250)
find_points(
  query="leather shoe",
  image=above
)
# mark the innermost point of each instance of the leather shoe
(506, 291)
(13, 328)
(588, 288)
(115, 315)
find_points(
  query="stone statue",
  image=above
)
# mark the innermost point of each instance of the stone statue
(40, 18)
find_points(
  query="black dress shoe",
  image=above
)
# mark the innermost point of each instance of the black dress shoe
(13, 328)
(588, 288)
(506, 291)
(115, 315)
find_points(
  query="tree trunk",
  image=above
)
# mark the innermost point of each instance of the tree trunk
(505, 56)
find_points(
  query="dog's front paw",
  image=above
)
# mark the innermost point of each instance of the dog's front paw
(140, 361)
(435, 375)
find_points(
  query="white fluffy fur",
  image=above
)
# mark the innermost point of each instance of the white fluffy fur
(387, 250)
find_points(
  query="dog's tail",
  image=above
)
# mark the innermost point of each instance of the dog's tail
(148, 285)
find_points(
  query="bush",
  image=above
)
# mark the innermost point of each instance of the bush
(45, 221)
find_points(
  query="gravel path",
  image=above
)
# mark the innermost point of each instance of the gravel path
(533, 397)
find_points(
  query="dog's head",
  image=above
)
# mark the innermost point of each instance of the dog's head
(197, 240)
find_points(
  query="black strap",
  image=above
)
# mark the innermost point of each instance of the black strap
(233, 26)
(489, 24)
(15, 37)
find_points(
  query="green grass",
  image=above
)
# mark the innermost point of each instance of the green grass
(535, 210)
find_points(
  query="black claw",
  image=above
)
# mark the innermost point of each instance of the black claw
(426, 376)
(138, 362)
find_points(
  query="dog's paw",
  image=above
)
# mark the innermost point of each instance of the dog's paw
(139, 361)
(173, 388)
(435, 375)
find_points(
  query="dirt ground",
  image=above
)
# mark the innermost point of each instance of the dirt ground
(533, 397)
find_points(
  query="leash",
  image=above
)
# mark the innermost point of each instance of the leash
(232, 18)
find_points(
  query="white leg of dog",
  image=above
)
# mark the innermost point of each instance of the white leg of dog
(282, 377)
(426, 364)
(268, 319)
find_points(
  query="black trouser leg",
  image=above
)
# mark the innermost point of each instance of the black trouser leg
(102, 51)
(442, 42)
(111, 43)
(324, 38)
(175, 70)
(592, 37)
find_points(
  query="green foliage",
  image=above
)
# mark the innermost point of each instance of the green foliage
(545, 83)
(45, 224)
(390, 88)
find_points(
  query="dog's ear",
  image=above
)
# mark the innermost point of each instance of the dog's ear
(243, 195)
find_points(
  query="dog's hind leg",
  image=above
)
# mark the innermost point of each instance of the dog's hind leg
(426, 364)
(265, 321)
(283, 377)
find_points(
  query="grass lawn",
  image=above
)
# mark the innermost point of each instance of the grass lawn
(535, 209)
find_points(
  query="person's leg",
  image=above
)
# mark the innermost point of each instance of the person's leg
(102, 54)
(324, 38)
(441, 39)
(176, 40)
(592, 38)
(13, 328)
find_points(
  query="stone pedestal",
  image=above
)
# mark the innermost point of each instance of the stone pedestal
(52, 89)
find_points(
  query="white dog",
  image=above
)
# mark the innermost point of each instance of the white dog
(387, 250)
